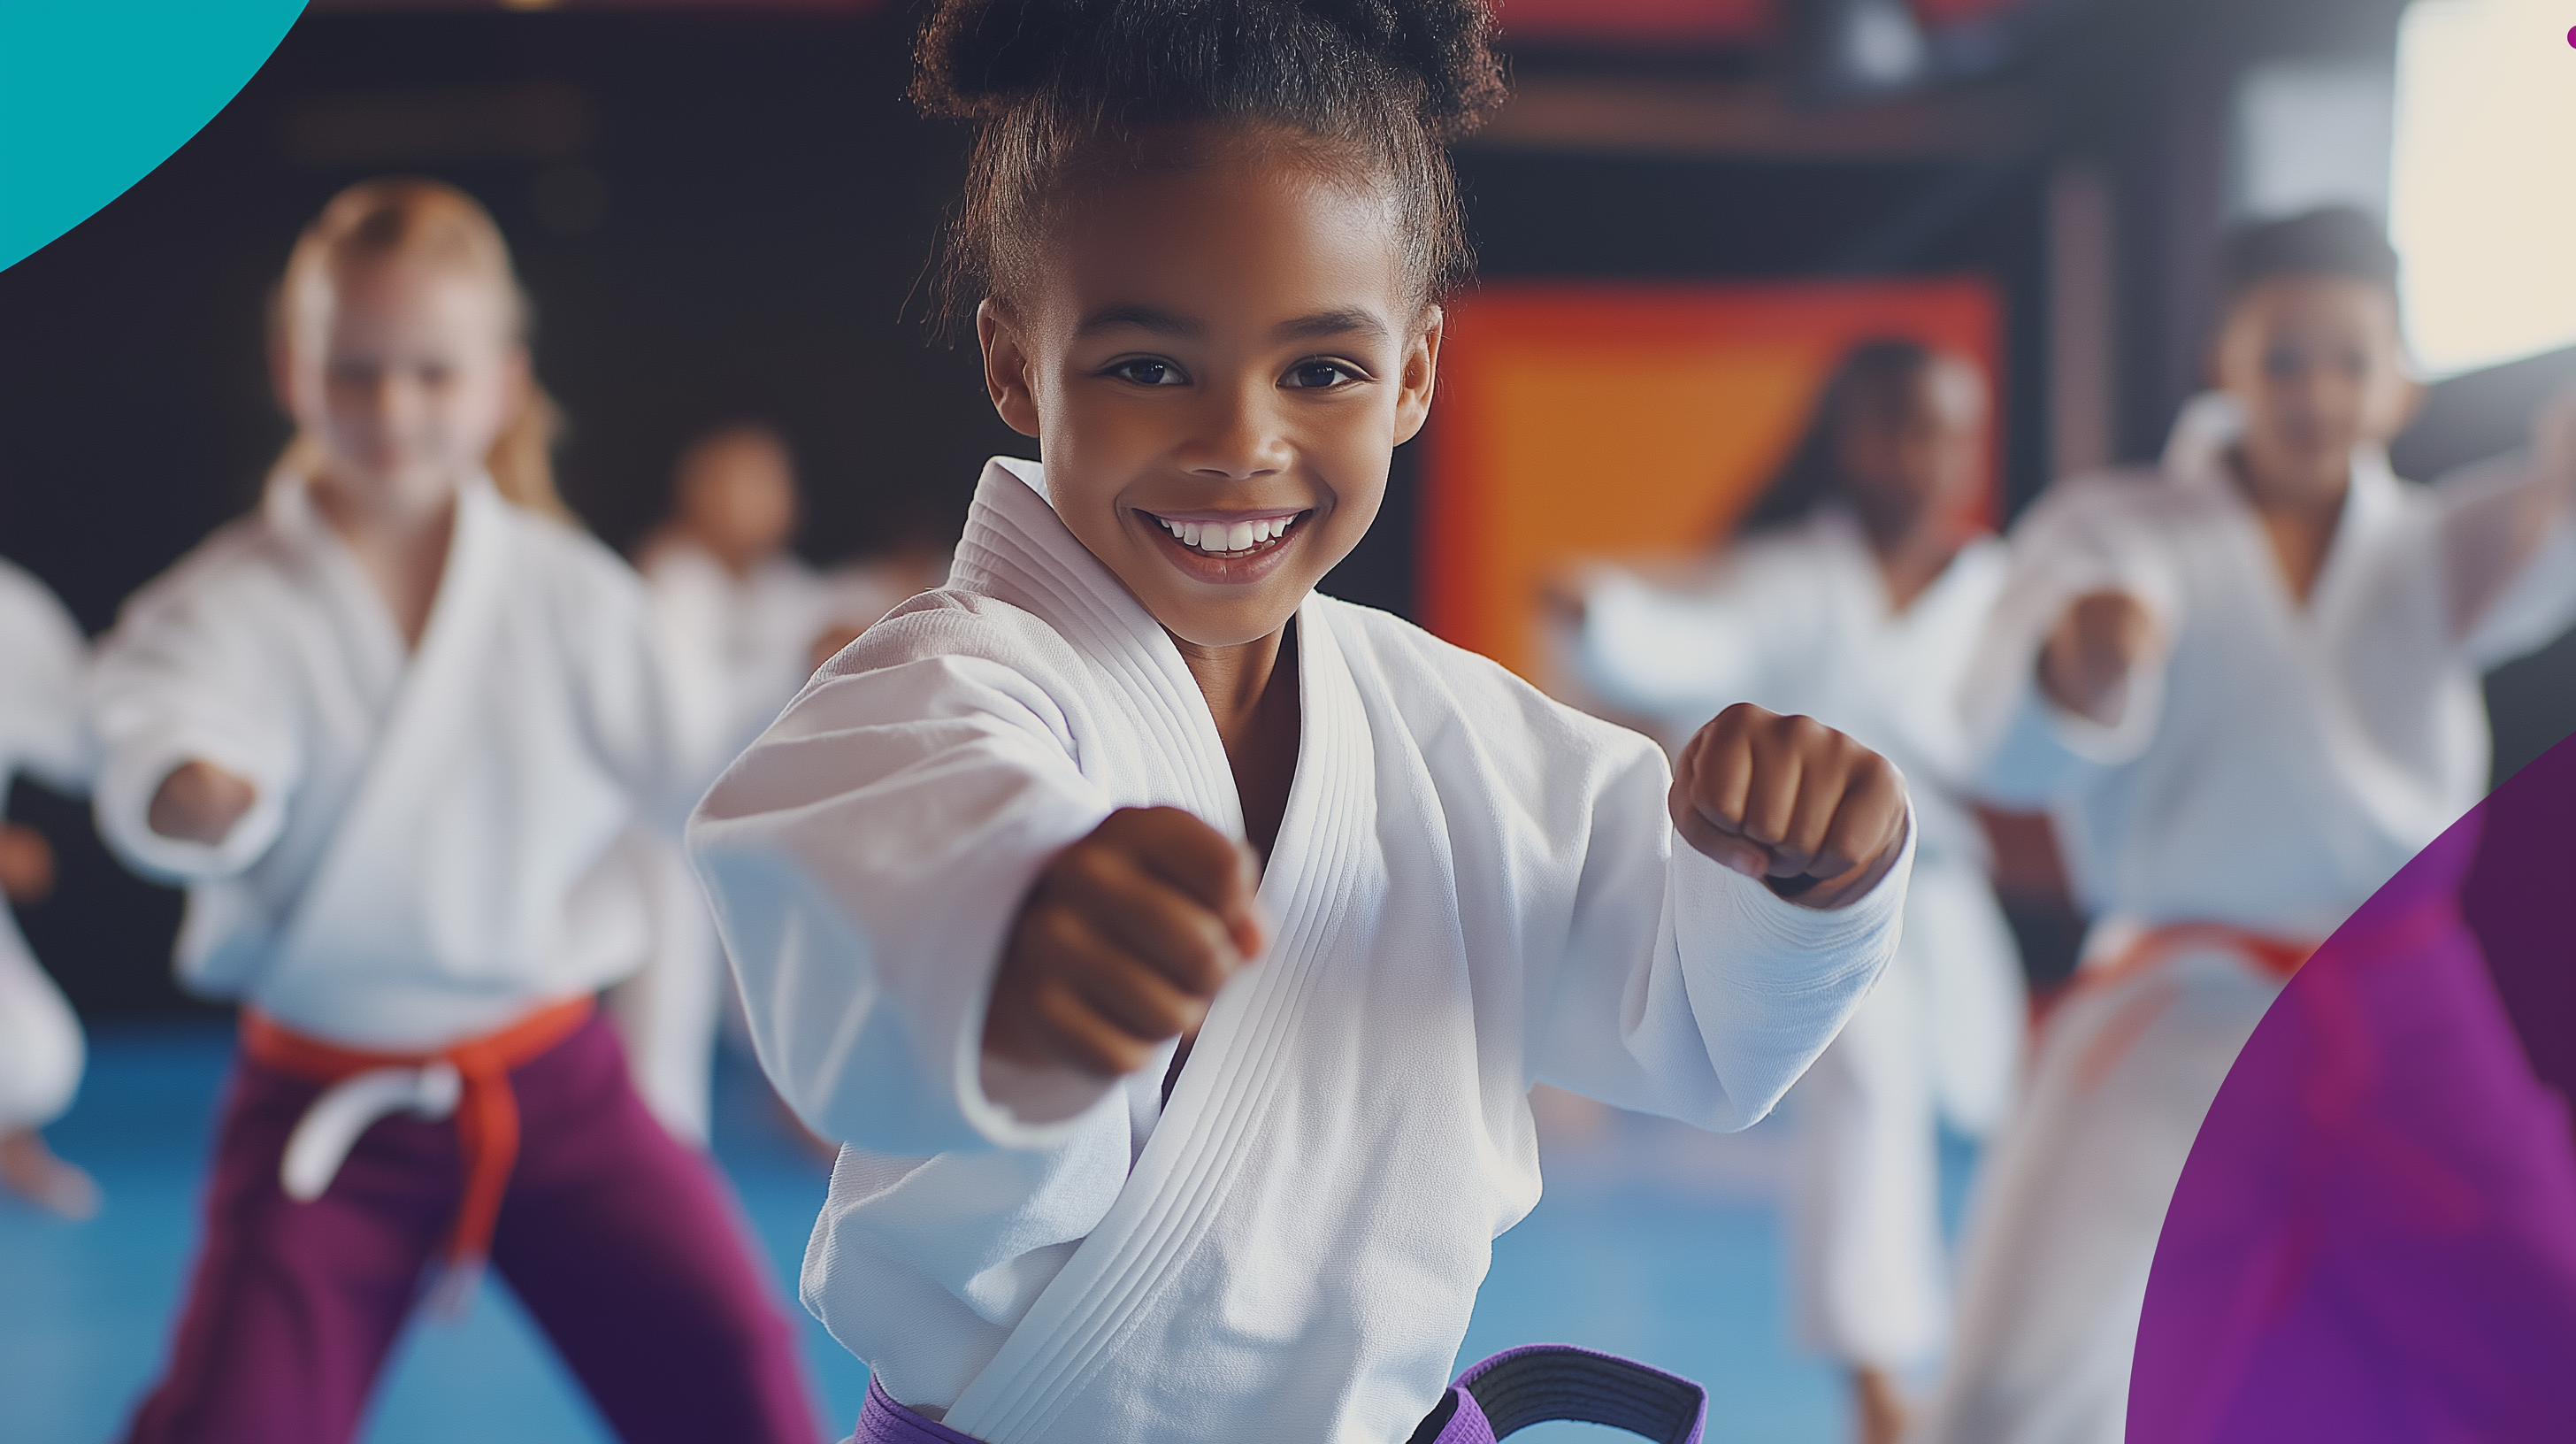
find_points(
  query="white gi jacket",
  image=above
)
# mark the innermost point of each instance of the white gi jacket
(1475, 889)
(430, 854)
(2354, 720)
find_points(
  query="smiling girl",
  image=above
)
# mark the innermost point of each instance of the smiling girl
(389, 731)
(1175, 947)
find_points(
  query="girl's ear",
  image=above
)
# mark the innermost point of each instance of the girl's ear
(1007, 367)
(1419, 378)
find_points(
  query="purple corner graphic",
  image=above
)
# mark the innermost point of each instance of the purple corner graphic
(2375, 1236)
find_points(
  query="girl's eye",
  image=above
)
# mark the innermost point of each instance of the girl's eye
(1320, 375)
(1147, 373)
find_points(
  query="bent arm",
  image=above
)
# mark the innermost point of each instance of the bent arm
(182, 686)
(1677, 656)
(865, 859)
(2069, 674)
(1689, 990)
(2509, 542)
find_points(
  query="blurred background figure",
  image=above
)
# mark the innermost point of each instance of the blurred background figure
(738, 613)
(44, 730)
(2246, 683)
(1856, 594)
(915, 544)
(389, 730)
(743, 621)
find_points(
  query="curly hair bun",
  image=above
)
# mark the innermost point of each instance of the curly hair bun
(979, 58)
(1056, 86)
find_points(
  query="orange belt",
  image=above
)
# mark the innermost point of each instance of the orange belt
(487, 1113)
(2275, 956)
(2279, 957)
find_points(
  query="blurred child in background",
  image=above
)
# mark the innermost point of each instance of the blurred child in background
(389, 731)
(744, 621)
(2247, 685)
(1856, 594)
(738, 613)
(44, 731)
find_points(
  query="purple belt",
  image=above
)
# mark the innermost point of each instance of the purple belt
(1533, 1384)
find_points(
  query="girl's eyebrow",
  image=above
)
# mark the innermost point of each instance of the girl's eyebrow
(1348, 321)
(1142, 318)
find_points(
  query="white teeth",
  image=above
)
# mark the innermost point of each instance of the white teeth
(1224, 538)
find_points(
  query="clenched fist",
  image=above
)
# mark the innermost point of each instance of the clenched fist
(26, 864)
(1123, 942)
(2095, 645)
(1793, 802)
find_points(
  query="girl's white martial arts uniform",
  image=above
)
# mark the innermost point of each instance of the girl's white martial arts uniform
(1475, 889)
(434, 850)
(738, 648)
(44, 732)
(1797, 620)
(2267, 773)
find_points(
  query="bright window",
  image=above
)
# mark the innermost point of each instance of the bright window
(2482, 200)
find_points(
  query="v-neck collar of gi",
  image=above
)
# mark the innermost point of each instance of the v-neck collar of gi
(1849, 544)
(1017, 550)
(2197, 458)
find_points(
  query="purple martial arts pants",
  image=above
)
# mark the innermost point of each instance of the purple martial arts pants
(624, 1245)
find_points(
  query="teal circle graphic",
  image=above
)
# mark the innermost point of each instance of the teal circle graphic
(95, 93)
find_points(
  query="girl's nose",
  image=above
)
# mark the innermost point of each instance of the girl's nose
(1237, 438)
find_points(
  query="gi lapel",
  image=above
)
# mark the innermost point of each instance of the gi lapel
(1316, 894)
(1017, 550)
(341, 913)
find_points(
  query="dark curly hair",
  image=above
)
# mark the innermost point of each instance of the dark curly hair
(1068, 90)
(1869, 374)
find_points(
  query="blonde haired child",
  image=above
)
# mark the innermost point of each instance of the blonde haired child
(389, 730)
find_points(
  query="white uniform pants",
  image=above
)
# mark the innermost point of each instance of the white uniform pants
(1941, 1036)
(41, 1052)
(2063, 1227)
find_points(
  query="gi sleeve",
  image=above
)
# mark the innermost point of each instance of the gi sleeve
(1688, 989)
(2031, 749)
(866, 859)
(1678, 657)
(2508, 540)
(189, 674)
(660, 733)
